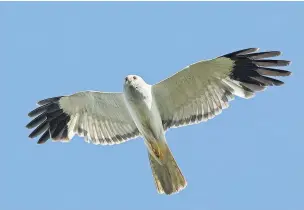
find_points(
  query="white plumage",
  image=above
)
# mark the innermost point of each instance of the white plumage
(197, 93)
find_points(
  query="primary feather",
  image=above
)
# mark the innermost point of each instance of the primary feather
(195, 94)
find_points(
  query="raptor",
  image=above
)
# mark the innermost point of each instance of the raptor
(195, 94)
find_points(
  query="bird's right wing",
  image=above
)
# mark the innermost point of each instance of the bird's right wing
(101, 118)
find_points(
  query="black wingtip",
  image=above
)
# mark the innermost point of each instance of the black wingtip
(51, 121)
(260, 55)
(273, 72)
(44, 138)
(40, 129)
(37, 111)
(49, 100)
(252, 69)
(267, 63)
(241, 52)
(38, 120)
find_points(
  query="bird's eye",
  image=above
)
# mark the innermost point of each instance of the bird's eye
(126, 79)
(134, 77)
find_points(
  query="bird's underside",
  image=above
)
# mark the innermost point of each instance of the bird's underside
(197, 93)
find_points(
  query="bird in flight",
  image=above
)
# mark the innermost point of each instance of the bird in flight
(195, 94)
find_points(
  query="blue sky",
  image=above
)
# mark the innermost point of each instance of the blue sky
(249, 157)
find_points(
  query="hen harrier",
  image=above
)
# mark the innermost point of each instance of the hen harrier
(195, 94)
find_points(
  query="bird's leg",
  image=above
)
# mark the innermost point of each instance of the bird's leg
(155, 150)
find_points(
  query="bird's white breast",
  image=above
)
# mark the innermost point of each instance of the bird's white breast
(144, 111)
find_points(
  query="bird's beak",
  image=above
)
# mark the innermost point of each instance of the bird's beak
(128, 79)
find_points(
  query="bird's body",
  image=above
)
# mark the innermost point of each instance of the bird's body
(195, 94)
(145, 113)
(142, 108)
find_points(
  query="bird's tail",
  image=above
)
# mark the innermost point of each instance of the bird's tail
(167, 175)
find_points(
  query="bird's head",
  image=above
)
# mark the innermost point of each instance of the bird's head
(134, 81)
(135, 85)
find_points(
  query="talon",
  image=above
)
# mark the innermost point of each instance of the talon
(156, 153)
(156, 150)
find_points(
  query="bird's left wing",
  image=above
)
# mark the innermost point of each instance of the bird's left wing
(101, 118)
(200, 91)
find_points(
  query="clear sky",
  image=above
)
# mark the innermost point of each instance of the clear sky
(248, 158)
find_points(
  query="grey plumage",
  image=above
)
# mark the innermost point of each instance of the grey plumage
(195, 94)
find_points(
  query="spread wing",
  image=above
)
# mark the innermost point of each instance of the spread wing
(200, 91)
(101, 118)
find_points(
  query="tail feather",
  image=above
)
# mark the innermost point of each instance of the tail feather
(167, 175)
